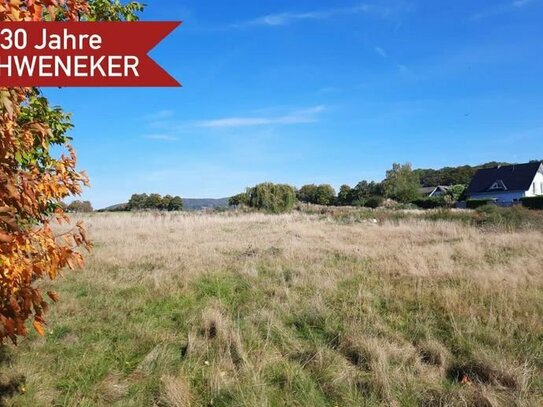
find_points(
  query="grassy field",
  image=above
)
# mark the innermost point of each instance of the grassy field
(291, 310)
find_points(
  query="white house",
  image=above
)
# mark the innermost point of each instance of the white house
(507, 184)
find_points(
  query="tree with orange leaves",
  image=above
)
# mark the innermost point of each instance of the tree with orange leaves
(33, 182)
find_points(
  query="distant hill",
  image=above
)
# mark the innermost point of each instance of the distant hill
(114, 208)
(189, 204)
(192, 204)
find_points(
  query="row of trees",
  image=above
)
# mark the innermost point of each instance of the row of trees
(401, 184)
(155, 202)
(461, 175)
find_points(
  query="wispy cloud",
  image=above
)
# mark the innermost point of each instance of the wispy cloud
(285, 18)
(160, 115)
(521, 3)
(160, 137)
(500, 9)
(297, 117)
(381, 52)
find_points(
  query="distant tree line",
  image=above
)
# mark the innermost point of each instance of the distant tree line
(78, 206)
(401, 184)
(453, 175)
(154, 202)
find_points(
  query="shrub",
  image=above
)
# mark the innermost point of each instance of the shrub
(374, 202)
(430, 203)
(274, 198)
(477, 203)
(535, 202)
(80, 206)
(237, 200)
(358, 202)
(511, 217)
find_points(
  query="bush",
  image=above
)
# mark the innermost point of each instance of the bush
(274, 198)
(80, 206)
(430, 203)
(477, 203)
(238, 200)
(515, 217)
(374, 202)
(535, 202)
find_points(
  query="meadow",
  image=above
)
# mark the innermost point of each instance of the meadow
(302, 309)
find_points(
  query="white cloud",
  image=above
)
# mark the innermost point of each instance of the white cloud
(280, 19)
(162, 137)
(297, 117)
(380, 51)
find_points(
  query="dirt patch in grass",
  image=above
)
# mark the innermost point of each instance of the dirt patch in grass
(482, 373)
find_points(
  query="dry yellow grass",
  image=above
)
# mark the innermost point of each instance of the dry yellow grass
(261, 310)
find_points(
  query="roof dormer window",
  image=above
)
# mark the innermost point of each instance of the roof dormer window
(498, 186)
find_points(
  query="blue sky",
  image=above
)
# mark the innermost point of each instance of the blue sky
(316, 92)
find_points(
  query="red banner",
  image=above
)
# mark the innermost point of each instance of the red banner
(82, 54)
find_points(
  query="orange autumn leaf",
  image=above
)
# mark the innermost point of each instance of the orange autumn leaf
(53, 295)
(39, 328)
(32, 182)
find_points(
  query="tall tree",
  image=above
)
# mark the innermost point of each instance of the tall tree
(175, 204)
(153, 201)
(325, 195)
(401, 183)
(344, 195)
(137, 202)
(33, 181)
(307, 193)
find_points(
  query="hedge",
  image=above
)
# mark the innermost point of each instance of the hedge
(430, 203)
(374, 202)
(535, 202)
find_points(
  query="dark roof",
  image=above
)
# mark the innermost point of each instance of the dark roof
(443, 188)
(431, 190)
(516, 177)
(426, 190)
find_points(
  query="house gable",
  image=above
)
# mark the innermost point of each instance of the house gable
(498, 185)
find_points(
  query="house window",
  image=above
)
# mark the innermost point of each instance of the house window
(541, 188)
